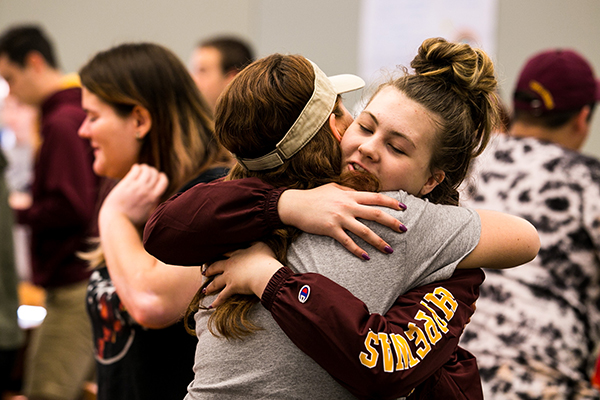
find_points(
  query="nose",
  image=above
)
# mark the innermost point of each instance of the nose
(83, 130)
(369, 149)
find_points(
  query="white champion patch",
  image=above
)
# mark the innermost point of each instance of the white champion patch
(304, 293)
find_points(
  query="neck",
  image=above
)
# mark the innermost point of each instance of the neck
(48, 84)
(562, 136)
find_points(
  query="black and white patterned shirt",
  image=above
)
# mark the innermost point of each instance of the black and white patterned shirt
(536, 330)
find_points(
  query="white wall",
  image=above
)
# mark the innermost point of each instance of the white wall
(325, 31)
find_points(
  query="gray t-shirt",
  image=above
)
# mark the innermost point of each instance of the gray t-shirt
(267, 365)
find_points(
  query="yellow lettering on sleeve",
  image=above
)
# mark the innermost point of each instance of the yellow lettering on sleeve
(430, 329)
(442, 298)
(415, 334)
(443, 325)
(386, 349)
(405, 357)
(369, 360)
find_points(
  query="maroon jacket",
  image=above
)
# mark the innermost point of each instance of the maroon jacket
(334, 327)
(337, 330)
(64, 190)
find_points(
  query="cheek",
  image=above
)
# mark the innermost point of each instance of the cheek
(349, 143)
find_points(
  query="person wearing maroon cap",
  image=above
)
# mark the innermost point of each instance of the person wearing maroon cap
(537, 330)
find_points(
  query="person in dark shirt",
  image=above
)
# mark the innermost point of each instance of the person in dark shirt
(60, 212)
(153, 133)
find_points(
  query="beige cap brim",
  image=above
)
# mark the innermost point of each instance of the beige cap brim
(346, 83)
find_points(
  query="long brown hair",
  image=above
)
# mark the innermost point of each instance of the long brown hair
(254, 113)
(181, 141)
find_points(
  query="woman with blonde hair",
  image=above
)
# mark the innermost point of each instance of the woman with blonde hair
(153, 133)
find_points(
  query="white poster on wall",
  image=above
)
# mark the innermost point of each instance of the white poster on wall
(391, 31)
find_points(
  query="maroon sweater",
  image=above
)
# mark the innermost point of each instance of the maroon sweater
(335, 327)
(64, 192)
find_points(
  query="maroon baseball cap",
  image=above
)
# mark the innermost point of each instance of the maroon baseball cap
(556, 80)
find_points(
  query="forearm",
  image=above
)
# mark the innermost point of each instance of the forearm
(370, 354)
(506, 241)
(155, 294)
(208, 220)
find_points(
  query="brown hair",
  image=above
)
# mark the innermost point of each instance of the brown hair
(256, 110)
(457, 83)
(235, 53)
(181, 141)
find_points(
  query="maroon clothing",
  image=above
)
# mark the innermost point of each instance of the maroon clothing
(333, 327)
(64, 192)
(209, 220)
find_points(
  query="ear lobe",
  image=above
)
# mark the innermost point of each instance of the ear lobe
(143, 121)
(334, 128)
(435, 179)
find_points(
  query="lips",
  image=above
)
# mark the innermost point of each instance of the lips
(353, 166)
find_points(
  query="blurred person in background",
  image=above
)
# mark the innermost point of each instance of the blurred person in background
(536, 331)
(60, 211)
(215, 62)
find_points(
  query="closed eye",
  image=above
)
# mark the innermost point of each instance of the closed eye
(396, 150)
(365, 129)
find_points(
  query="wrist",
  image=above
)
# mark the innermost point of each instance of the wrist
(285, 206)
(263, 276)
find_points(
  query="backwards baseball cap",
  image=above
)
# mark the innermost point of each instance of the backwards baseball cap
(314, 115)
(556, 80)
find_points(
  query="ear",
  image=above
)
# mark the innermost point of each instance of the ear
(230, 75)
(142, 120)
(581, 128)
(334, 128)
(582, 119)
(435, 179)
(35, 60)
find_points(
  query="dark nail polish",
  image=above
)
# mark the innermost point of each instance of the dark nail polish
(210, 307)
(403, 228)
(388, 249)
(203, 290)
(366, 257)
(402, 205)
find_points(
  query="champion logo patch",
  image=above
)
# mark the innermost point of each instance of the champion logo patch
(304, 293)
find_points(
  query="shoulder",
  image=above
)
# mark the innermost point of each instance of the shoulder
(63, 108)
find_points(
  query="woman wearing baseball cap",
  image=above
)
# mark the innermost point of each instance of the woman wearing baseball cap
(312, 158)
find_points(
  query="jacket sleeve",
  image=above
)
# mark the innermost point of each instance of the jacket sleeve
(211, 219)
(373, 355)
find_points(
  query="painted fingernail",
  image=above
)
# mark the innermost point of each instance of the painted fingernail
(402, 205)
(366, 257)
(203, 290)
(388, 249)
(210, 307)
(403, 228)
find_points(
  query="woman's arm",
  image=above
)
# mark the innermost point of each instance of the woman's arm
(155, 294)
(372, 355)
(211, 219)
(369, 354)
(506, 241)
